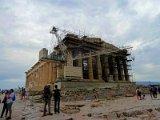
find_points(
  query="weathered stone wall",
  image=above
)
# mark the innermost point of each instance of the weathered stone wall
(85, 84)
(97, 93)
(42, 73)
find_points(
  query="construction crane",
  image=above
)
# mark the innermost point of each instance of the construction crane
(66, 55)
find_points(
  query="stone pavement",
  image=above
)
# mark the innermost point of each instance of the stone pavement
(23, 110)
(27, 110)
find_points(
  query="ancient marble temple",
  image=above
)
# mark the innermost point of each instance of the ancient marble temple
(87, 59)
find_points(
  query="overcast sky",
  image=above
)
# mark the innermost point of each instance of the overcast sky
(25, 26)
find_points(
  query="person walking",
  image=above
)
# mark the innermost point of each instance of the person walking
(47, 95)
(57, 96)
(4, 101)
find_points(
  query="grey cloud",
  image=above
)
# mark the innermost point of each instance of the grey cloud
(25, 26)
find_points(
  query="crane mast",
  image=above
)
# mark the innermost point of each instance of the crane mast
(63, 48)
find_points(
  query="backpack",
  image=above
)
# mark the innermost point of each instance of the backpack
(14, 97)
(47, 93)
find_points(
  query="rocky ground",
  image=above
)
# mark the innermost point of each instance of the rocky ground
(122, 108)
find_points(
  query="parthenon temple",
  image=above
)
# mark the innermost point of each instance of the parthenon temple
(86, 60)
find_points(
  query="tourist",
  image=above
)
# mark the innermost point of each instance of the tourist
(10, 100)
(154, 91)
(47, 95)
(143, 97)
(4, 101)
(138, 93)
(20, 93)
(23, 94)
(57, 96)
(159, 89)
(151, 91)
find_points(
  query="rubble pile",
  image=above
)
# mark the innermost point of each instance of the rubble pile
(127, 115)
(71, 109)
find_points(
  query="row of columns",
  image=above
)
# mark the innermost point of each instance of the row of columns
(120, 71)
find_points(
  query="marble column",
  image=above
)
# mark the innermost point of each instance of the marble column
(80, 60)
(58, 71)
(121, 70)
(36, 76)
(90, 68)
(69, 59)
(115, 72)
(38, 73)
(99, 68)
(54, 72)
(80, 64)
(41, 74)
(107, 69)
(44, 75)
(125, 69)
(49, 72)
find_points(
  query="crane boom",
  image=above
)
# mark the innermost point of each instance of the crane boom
(61, 45)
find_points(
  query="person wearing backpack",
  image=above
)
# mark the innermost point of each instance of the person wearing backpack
(56, 96)
(47, 95)
(10, 100)
(23, 94)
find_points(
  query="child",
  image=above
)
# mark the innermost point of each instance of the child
(143, 97)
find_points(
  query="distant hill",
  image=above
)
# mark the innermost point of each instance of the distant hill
(146, 83)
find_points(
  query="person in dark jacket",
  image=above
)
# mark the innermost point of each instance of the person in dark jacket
(159, 89)
(151, 91)
(57, 96)
(5, 108)
(47, 95)
(154, 91)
